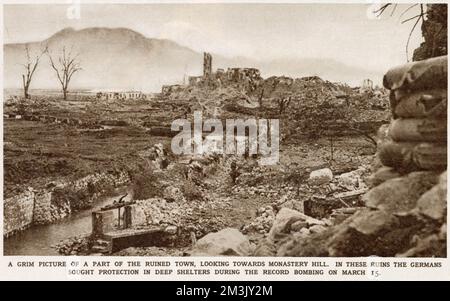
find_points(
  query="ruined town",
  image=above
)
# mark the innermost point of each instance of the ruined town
(361, 168)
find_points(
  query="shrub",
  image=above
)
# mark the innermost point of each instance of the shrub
(191, 191)
(146, 185)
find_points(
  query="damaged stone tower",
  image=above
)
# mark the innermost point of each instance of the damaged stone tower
(207, 65)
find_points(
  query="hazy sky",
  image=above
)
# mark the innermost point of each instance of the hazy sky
(343, 32)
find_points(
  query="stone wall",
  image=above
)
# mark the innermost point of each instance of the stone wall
(18, 212)
(65, 198)
(45, 211)
(51, 204)
(87, 124)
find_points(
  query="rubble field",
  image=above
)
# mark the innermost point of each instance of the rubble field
(224, 204)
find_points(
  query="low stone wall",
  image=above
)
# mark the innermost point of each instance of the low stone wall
(18, 212)
(114, 179)
(49, 205)
(64, 120)
(46, 119)
(65, 198)
(49, 208)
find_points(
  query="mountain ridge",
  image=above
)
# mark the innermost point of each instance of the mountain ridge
(134, 61)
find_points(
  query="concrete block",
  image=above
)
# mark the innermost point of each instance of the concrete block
(102, 222)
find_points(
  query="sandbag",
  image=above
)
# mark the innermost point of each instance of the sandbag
(397, 155)
(420, 130)
(432, 103)
(382, 175)
(429, 156)
(426, 74)
(409, 156)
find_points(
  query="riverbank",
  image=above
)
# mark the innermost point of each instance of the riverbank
(58, 201)
(42, 239)
(52, 170)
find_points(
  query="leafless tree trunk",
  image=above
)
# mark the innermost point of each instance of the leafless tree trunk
(30, 67)
(65, 68)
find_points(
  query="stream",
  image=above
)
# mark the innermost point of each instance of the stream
(38, 240)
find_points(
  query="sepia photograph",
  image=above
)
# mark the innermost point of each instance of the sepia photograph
(225, 129)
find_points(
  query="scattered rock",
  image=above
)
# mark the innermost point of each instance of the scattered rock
(305, 231)
(350, 180)
(228, 241)
(317, 229)
(171, 230)
(400, 195)
(433, 203)
(284, 220)
(78, 245)
(293, 204)
(432, 244)
(265, 248)
(320, 177)
(370, 232)
(371, 222)
(298, 225)
(443, 232)
(173, 194)
(262, 223)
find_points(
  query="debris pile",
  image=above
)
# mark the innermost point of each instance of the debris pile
(78, 245)
(184, 203)
(319, 197)
(263, 222)
(185, 219)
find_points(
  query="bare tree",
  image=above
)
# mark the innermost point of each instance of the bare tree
(30, 67)
(65, 68)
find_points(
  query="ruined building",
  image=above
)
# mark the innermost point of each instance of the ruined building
(168, 89)
(367, 86)
(120, 95)
(241, 78)
(207, 65)
(240, 74)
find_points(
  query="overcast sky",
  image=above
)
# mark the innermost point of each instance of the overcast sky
(346, 32)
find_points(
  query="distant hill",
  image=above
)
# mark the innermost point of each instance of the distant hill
(120, 58)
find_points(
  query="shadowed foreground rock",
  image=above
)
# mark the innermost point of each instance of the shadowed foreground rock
(229, 242)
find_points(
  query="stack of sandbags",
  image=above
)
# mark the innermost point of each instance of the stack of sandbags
(416, 138)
